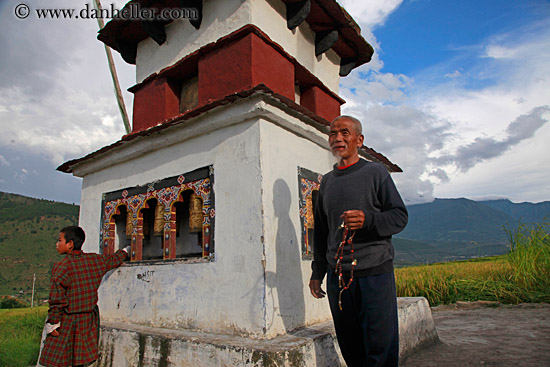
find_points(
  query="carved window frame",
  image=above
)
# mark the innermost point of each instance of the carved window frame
(308, 183)
(167, 191)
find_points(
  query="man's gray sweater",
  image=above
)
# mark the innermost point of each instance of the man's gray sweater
(363, 186)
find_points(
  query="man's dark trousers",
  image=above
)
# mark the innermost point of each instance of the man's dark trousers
(367, 321)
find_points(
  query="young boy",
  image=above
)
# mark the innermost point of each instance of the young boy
(73, 316)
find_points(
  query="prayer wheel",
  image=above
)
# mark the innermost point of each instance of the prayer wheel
(309, 212)
(195, 214)
(146, 226)
(178, 224)
(129, 225)
(158, 228)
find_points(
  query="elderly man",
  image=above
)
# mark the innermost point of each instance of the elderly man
(358, 210)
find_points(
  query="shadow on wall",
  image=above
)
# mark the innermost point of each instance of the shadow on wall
(287, 281)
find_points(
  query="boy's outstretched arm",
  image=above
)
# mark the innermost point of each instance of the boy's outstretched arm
(114, 260)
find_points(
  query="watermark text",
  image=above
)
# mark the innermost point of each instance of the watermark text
(132, 11)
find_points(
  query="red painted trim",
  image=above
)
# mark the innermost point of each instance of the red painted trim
(242, 65)
(155, 102)
(236, 62)
(271, 67)
(188, 65)
(321, 103)
(314, 120)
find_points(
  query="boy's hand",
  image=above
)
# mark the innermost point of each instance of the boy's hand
(127, 249)
(52, 328)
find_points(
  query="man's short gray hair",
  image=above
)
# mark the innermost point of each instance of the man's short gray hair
(356, 123)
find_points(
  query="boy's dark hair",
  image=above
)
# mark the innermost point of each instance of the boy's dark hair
(75, 234)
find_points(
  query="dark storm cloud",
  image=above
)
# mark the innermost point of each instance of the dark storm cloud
(482, 149)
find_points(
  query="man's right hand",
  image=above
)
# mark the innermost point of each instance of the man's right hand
(315, 288)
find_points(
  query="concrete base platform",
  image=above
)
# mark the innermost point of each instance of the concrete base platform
(416, 325)
(134, 345)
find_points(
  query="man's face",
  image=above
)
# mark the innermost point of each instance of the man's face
(62, 246)
(344, 140)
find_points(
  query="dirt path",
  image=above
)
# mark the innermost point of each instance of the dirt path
(475, 334)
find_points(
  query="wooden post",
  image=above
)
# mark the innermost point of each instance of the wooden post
(32, 296)
(114, 76)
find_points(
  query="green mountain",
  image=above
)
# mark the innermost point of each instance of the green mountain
(28, 233)
(462, 220)
(526, 212)
(454, 229)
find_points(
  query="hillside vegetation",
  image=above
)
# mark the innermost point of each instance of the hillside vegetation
(28, 232)
(455, 229)
(456, 220)
(521, 276)
(525, 212)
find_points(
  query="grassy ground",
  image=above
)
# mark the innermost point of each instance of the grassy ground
(521, 276)
(20, 333)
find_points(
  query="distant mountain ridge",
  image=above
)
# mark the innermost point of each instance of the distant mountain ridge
(455, 220)
(449, 229)
(526, 212)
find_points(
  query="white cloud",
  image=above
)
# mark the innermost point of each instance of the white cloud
(21, 175)
(4, 161)
(521, 174)
(454, 74)
(372, 87)
(499, 52)
(407, 136)
(461, 131)
(485, 148)
(371, 13)
(58, 130)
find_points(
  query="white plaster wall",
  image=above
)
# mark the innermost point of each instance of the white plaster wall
(289, 302)
(255, 146)
(222, 17)
(225, 295)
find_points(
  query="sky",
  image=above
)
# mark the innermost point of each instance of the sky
(457, 94)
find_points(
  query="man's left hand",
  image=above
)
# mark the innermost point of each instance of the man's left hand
(353, 219)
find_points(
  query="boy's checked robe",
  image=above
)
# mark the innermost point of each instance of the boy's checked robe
(73, 302)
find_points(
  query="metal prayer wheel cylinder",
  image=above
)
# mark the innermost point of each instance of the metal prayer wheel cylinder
(178, 224)
(158, 227)
(129, 224)
(195, 214)
(146, 226)
(309, 212)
